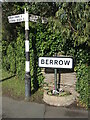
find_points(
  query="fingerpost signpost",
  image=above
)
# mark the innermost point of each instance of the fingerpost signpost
(26, 18)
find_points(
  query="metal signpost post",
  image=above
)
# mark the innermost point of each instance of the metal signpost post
(20, 18)
(55, 74)
(55, 80)
(27, 74)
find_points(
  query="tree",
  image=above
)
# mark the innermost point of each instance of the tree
(74, 27)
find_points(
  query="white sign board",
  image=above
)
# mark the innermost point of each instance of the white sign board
(16, 18)
(22, 17)
(35, 18)
(56, 62)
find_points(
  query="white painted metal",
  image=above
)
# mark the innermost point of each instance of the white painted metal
(27, 45)
(26, 20)
(35, 18)
(27, 66)
(16, 18)
(52, 62)
(25, 17)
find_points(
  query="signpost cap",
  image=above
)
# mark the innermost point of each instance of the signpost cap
(25, 10)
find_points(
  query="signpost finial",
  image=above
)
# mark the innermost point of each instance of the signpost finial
(25, 10)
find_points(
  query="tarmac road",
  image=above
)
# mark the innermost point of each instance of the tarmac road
(21, 109)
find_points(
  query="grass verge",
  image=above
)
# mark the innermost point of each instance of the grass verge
(13, 87)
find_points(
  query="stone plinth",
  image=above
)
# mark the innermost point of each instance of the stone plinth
(65, 81)
(58, 101)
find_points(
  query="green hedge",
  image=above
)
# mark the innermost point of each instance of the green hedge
(82, 84)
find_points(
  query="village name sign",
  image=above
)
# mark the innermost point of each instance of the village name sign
(56, 62)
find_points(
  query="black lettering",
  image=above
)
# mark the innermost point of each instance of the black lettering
(60, 62)
(46, 61)
(51, 62)
(66, 62)
(56, 62)
(42, 61)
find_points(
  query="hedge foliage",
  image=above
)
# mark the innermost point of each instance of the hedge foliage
(66, 32)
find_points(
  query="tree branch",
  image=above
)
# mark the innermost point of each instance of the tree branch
(71, 26)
